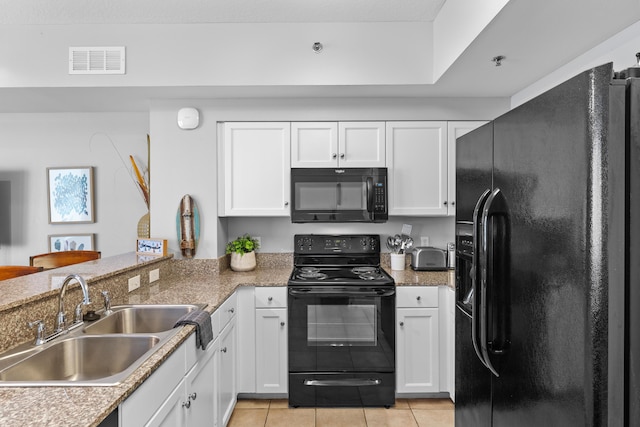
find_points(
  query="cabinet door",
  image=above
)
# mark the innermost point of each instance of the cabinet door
(361, 145)
(227, 373)
(314, 144)
(256, 178)
(417, 350)
(173, 412)
(271, 350)
(456, 130)
(199, 386)
(417, 168)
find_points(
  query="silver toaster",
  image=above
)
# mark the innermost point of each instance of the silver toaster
(428, 258)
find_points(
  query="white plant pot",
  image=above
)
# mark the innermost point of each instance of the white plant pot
(243, 262)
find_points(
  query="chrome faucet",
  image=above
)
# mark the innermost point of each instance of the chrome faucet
(61, 319)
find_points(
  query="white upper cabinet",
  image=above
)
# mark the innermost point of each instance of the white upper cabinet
(417, 168)
(255, 177)
(455, 131)
(314, 144)
(337, 144)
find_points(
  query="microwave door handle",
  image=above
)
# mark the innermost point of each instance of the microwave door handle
(370, 196)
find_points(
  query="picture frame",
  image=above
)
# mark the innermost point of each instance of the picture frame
(71, 242)
(154, 247)
(70, 195)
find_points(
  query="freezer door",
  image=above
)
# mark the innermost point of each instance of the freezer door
(474, 159)
(549, 163)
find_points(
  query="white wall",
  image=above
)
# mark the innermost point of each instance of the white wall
(223, 54)
(29, 143)
(185, 162)
(619, 49)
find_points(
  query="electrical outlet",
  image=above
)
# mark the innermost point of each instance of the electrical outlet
(259, 240)
(154, 275)
(424, 240)
(134, 283)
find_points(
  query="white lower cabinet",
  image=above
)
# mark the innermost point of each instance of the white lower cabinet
(417, 354)
(179, 393)
(272, 369)
(271, 350)
(227, 395)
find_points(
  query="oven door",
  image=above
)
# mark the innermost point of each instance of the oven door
(341, 346)
(341, 329)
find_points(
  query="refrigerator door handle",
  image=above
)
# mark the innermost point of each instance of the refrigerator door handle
(494, 290)
(475, 275)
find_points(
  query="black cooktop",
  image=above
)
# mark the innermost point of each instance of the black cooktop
(338, 260)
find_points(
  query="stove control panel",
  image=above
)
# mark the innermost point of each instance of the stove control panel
(327, 244)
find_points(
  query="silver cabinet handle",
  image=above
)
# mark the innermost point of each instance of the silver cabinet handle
(224, 350)
(281, 323)
(286, 203)
(401, 323)
(186, 404)
(342, 155)
(270, 298)
(231, 310)
(418, 298)
(334, 155)
(193, 396)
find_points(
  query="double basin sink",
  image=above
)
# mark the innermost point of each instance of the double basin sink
(100, 353)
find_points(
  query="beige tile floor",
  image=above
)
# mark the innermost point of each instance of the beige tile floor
(406, 413)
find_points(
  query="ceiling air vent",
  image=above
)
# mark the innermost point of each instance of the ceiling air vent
(96, 60)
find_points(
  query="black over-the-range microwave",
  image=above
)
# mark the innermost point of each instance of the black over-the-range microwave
(339, 195)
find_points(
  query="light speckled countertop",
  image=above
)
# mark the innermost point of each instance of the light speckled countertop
(88, 406)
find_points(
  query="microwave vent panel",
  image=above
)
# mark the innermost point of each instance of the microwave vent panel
(96, 60)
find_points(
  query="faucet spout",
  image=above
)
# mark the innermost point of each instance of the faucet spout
(61, 318)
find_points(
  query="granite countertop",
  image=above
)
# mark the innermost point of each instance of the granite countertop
(88, 406)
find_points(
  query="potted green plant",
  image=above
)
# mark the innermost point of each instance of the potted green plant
(243, 255)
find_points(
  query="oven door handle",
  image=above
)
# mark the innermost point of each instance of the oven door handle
(342, 292)
(348, 382)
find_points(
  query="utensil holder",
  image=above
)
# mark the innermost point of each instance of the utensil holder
(397, 261)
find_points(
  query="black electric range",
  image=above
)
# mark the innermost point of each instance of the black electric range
(341, 323)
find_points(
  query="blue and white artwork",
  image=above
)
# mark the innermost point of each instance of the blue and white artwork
(70, 194)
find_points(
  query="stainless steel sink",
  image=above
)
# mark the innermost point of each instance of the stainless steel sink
(82, 360)
(140, 319)
(101, 353)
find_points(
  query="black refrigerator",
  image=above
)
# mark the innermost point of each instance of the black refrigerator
(547, 280)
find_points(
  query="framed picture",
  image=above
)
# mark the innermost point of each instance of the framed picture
(70, 195)
(155, 247)
(71, 242)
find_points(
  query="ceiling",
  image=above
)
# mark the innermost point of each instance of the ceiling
(535, 37)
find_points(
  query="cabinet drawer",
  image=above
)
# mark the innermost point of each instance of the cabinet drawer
(417, 296)
(271, 297)
(228, 310)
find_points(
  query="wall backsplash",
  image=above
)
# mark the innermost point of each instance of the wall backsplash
(277, 233)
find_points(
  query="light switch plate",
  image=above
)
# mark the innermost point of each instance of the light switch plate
(134, 283)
